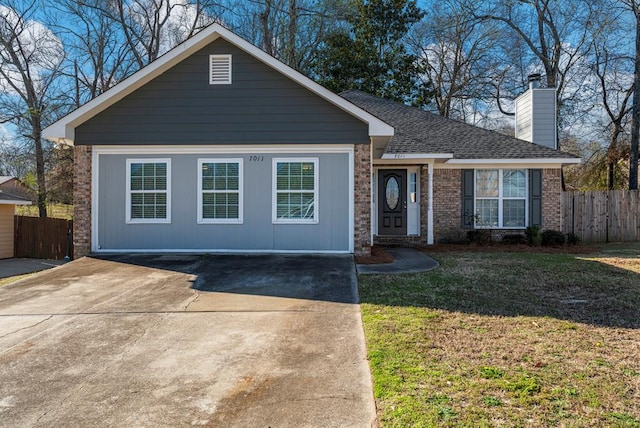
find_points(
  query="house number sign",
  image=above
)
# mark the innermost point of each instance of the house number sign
(256, 158)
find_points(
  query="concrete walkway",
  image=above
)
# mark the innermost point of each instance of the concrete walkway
(405, 260)
(13, 267)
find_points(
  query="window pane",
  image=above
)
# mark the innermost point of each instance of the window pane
(161, 169)
(136, 183)
(513, 213)
(207, 183)
(149, 169)
(487, 183)
(487, 212)
(207, 169)
(136, 170)
(161, 183)
(514, 183)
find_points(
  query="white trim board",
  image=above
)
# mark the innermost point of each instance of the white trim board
(14, 202)
(216, 251)
(229, 150)
(63, 131)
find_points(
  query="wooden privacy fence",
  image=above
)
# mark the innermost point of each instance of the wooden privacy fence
(43, 238)
(602, 216)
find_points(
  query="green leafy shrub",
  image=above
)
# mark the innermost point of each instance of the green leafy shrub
(514, 239)
(533, 236)
(553, 237)
(479, 236)
(572, 238)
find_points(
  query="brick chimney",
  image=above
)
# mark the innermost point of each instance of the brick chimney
(536, 114)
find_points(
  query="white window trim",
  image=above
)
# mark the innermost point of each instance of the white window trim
(502, 198)
(240, 191)
(212, 58)
(128, 219)
(274, 192)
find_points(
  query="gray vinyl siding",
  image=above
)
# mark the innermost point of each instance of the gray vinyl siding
(261, 106)
(536, 117)
(257, 231)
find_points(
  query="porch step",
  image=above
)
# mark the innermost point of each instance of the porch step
(398, 240)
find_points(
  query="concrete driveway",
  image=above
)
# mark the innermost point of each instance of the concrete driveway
(253, 341)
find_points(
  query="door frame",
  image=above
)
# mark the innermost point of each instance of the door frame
(376, 183)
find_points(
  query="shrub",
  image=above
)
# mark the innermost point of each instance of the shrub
(553, 237)
(479, 236)
(514, 239)
(533, 236)
(572, 238)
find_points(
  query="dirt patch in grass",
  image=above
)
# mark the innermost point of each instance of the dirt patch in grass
(508, 339)
(379, 255)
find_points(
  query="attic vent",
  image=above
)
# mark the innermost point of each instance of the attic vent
(220, 69)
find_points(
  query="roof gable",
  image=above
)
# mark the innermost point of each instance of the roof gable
(64, 129)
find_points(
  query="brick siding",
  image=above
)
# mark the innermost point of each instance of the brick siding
(362, 200)
(82, 201)
(447, 205)
(551, 199)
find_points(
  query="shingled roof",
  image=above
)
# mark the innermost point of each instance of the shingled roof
(8, 198)
(419, 131)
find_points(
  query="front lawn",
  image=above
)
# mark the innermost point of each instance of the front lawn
(508, 339)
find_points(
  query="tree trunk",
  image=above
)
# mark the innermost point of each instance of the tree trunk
(37, 140)
(267, 35)
(635, 111)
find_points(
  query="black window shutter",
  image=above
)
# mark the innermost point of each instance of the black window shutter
(535, 197)
(467, 198)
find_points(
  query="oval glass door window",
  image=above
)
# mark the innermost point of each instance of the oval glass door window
(392, 193)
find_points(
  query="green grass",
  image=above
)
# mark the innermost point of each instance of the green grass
(53, 211)
(508, 339)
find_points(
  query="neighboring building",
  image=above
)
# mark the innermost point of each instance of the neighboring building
(8, 204)
(15, 187)
(217, 146)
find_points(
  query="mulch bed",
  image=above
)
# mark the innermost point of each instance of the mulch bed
(509, 248)
(379, 255)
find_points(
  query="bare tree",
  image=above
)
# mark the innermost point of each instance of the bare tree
(613, 72)
(634, 7)
(455, 55)
(98, 55)
(30, 58)
(149, 28)
(290, 30)
(557, 38)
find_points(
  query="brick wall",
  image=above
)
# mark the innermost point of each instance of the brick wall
(551, 199)
(82, 201)
(362, 200)
(447, 205)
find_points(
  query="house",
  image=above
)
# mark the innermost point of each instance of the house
(8, 204)
(15, 187)
(217, 146)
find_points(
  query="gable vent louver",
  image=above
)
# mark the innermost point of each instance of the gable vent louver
(220, 69)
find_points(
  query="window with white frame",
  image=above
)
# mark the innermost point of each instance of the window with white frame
(220, 190)
(295, 193)
(148, 191)
(501, 198)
